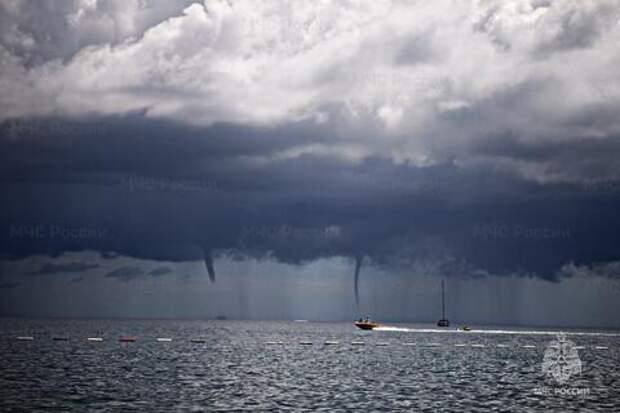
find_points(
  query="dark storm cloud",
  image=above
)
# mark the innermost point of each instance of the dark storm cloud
(76, 280)
(125, 274)
(51, 268)
(179, 135)
(8, 285)
(459, 221)
(159, 271)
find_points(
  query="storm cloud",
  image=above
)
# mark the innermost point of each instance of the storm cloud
(454, 139)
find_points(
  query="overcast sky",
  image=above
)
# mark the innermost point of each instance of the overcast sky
(268, 159)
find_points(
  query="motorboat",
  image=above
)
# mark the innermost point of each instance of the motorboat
(366, 324)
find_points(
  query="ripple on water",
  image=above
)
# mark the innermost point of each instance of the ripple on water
(261, 365)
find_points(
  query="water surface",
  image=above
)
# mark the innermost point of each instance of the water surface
(256, 366)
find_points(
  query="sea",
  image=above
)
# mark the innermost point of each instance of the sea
(220, 365)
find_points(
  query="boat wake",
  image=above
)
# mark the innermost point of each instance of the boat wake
(521, 332)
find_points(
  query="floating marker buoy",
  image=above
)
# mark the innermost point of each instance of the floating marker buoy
(600, 347)
(529, 346)
(95, 339)
(331, 343)
(25, 338)
(164, 339)
(460, 345)
(127, 339)
(478, 345)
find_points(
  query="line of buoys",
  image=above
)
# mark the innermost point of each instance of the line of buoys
(131, 339)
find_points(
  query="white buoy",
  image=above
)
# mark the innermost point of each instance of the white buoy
(478, 345)
(600, 347)
(502, 345)
(25, 338)
(94, 339)
(332, 343)
(529, 346)
(460, 345)
(164, 339)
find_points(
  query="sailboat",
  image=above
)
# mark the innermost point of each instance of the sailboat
(443, 322)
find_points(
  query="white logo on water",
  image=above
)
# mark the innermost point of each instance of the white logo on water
(561, 360)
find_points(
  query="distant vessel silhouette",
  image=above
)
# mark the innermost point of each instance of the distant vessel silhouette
(444, 321)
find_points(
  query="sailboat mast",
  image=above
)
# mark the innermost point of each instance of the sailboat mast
(443, 304)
